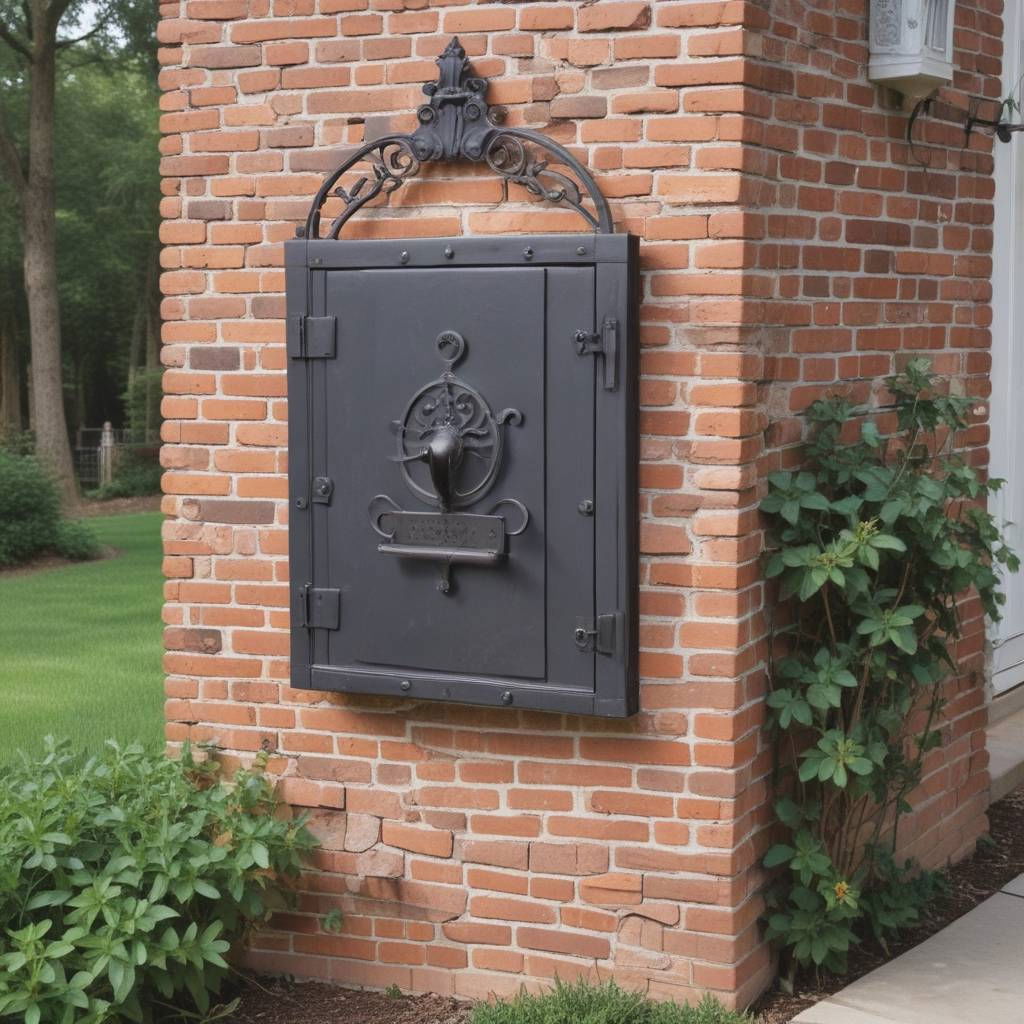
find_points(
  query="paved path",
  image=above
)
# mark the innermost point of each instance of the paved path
(972, 971)
(1005, 746)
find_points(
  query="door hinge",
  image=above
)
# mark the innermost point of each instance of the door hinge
(311, 337)
(603, 343)
(319, 607)
(600, 634)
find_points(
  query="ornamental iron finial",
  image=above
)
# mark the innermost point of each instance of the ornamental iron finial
(455, 121)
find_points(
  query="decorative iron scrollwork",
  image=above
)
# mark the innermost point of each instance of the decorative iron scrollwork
(446, 425)
(508, 153)
(449, 429)
(456, 123)
(392, 161)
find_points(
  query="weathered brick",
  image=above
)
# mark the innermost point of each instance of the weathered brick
(433, 842)
(614, 15)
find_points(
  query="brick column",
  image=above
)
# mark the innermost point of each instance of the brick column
(789, 244)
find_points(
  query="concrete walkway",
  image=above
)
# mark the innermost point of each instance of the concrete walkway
(1005, 743)
(972, 971)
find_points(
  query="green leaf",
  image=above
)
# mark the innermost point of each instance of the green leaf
(911, 611)
(905, 639)
(887, 542)
(790, 511)
(49, 898)
(891, 511)
(868, 556)
(816, 502)
(848, 506)
(813, 581)
(824, 696)
(778, 854)
(789, 812)
(205, 889)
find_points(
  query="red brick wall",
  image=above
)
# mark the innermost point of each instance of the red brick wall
(471, 849)
(861, 258)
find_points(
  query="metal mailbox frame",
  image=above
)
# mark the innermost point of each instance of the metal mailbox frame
(316, 333)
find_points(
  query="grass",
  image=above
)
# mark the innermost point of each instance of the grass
(583, 1003)
(80, 645)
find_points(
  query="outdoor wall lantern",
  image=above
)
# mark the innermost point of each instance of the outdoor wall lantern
(462, 423)
(911, 45)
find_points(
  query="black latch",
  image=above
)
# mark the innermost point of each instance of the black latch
(323, 489)
(319, 607)
(312, 337)
(600, 634)
(604, 344)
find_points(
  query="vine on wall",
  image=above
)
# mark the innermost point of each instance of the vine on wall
(876, 542)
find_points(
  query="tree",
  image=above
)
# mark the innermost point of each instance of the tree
(12, 322)
(108, 197)
(33, 33)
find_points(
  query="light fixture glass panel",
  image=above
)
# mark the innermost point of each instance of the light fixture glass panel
(935, 27)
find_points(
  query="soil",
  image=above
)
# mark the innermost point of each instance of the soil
(118, 506)
(53, 562)
(276, 1001)
(998, 860)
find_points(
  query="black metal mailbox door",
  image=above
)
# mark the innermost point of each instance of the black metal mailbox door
(462, 446)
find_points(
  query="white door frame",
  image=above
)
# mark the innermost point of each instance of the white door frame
(1006, 420)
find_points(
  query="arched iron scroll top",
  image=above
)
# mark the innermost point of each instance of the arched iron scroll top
(456, 123)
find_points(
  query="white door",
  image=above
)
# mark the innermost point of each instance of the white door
(1007, 415)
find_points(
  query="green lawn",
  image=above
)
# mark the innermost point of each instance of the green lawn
(80, 645)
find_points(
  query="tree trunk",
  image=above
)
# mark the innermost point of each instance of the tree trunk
(10, 380)
(39, 225)
(153, 322)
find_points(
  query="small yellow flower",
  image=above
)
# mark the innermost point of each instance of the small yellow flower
(841, 889)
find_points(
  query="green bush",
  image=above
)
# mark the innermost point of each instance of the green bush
(877, 541)
(125, 879)
(29, 508)
(31, 522)
(137, 475)
(17, 442)
(583, 1003)
(75, 540)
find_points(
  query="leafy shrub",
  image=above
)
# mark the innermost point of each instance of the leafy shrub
(125, 878)
(136, 475)
(17, 442)
(31, 523)
(75, 540)
(877, 540)
(29, 508)
(583, 1003)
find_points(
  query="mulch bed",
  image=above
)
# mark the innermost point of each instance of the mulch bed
(276, 1001)
(88, 508)
(53, 562)
(970, 882)
(279, 1001)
